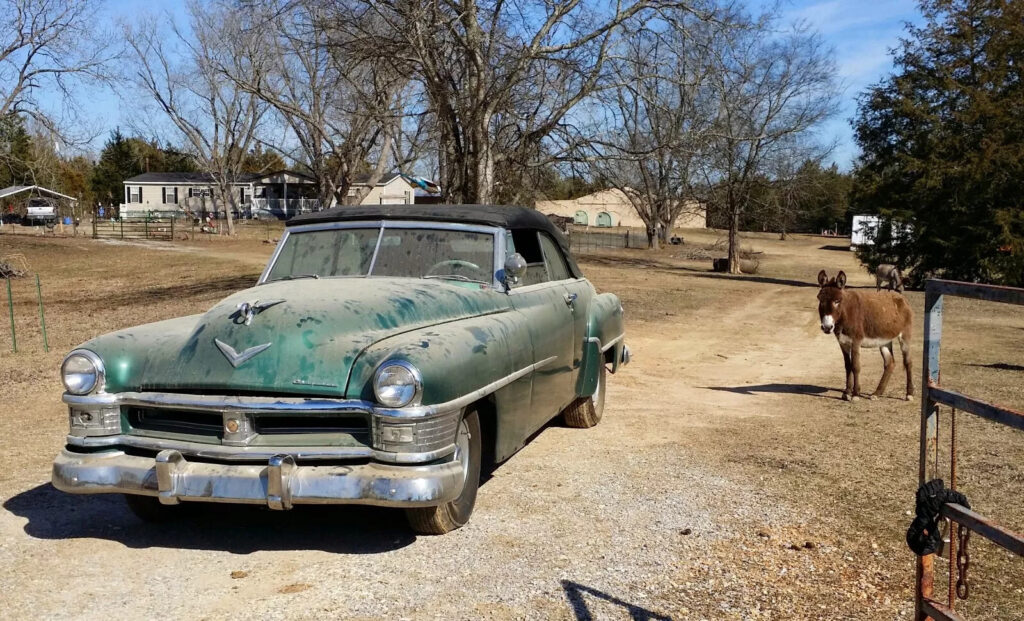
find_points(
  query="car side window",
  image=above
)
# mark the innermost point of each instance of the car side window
(526, 243)
(557, 268)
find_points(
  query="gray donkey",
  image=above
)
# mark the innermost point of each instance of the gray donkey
(891, 276)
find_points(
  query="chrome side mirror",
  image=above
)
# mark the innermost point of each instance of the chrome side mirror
(515, 269)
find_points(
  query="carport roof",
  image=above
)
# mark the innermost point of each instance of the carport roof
(17, 189)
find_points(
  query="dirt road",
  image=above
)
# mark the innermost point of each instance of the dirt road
(726, 481)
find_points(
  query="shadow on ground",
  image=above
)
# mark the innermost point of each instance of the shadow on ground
(845, 248)
(768, 280)
(634, 261)
(223, 285)
(238, 529)
(577, 594)
(1001, 366)
(789, 389)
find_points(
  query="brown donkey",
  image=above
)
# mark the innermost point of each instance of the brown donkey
(865, 319)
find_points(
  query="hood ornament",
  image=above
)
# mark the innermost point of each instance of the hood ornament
(238, 357)
(248, 310)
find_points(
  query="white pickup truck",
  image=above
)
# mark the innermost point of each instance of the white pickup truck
(40, 211)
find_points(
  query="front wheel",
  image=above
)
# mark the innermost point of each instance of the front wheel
(586, 412)
(451, 515)
(150, 509)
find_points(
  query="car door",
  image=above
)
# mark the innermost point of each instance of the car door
(548, 313)
(578, 294)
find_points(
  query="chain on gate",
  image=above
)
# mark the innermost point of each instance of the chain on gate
(963, 563)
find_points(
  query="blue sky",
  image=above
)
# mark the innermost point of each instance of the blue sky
(861, 33)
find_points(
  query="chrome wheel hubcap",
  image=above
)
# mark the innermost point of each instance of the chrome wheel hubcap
(462, 440)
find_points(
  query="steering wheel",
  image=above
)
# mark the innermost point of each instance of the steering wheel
(453, 263)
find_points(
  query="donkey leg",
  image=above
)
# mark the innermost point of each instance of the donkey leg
(848, 393)
(855, 367)
(889, 362)
(907, 365)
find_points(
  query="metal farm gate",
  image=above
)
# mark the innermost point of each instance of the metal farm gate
(144, 227)
(934, 395)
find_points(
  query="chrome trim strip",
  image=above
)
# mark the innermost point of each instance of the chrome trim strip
(376, 249)
(235, 403)
(612, 342)
(606, 346)
(394, 224)
(273, 258)
(227, 403)
(249, 453)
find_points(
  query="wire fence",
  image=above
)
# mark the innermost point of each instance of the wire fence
(589, 239)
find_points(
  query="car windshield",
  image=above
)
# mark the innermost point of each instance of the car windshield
(401, 252)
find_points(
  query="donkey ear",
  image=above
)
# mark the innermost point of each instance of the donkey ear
(822, 278)
(841, 280)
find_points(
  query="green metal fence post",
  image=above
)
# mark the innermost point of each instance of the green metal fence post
(95, 214)
(145, 226)
(10, 307)
(172, 226)
(122, 226)
(42, 315)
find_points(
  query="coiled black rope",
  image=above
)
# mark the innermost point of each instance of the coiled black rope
(923, 536)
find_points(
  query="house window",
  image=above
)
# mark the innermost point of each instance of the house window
(198, 192)
(135, 194)
(170, 196)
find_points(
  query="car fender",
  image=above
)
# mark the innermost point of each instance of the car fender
(603, 342)
(454, 359)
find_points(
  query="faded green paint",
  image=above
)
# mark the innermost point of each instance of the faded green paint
(316, 334)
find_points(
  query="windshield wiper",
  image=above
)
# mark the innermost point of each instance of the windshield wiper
(458, 277)
(297, 276)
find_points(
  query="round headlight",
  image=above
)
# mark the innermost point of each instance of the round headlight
(82, 372)
(397, 384)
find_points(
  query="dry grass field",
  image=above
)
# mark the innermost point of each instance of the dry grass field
(727, 480)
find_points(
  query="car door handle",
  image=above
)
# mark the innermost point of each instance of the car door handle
(569, 298)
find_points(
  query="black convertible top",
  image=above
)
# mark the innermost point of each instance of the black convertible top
(491, 215)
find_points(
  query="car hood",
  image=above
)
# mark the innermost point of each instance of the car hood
(303, 340)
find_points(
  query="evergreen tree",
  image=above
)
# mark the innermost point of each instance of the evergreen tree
(15, 152)
(943, 146)
(117, 162)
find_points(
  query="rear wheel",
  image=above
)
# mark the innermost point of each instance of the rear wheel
(586, 412)
(451, 515)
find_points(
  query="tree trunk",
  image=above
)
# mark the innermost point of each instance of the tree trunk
(652, 237)
(734, 241)
(227, 199)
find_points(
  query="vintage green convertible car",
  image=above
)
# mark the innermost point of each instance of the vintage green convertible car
(384, 357)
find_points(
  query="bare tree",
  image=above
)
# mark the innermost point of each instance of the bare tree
(216, 119)
(48, 46)
(772, 90)
(656, 117)
(498, 76)
(344, 112)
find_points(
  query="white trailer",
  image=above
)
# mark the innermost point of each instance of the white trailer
(862, 233)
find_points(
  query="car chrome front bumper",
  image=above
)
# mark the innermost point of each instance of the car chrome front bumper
(280, 483)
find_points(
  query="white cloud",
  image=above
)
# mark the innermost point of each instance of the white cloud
(841, 16)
